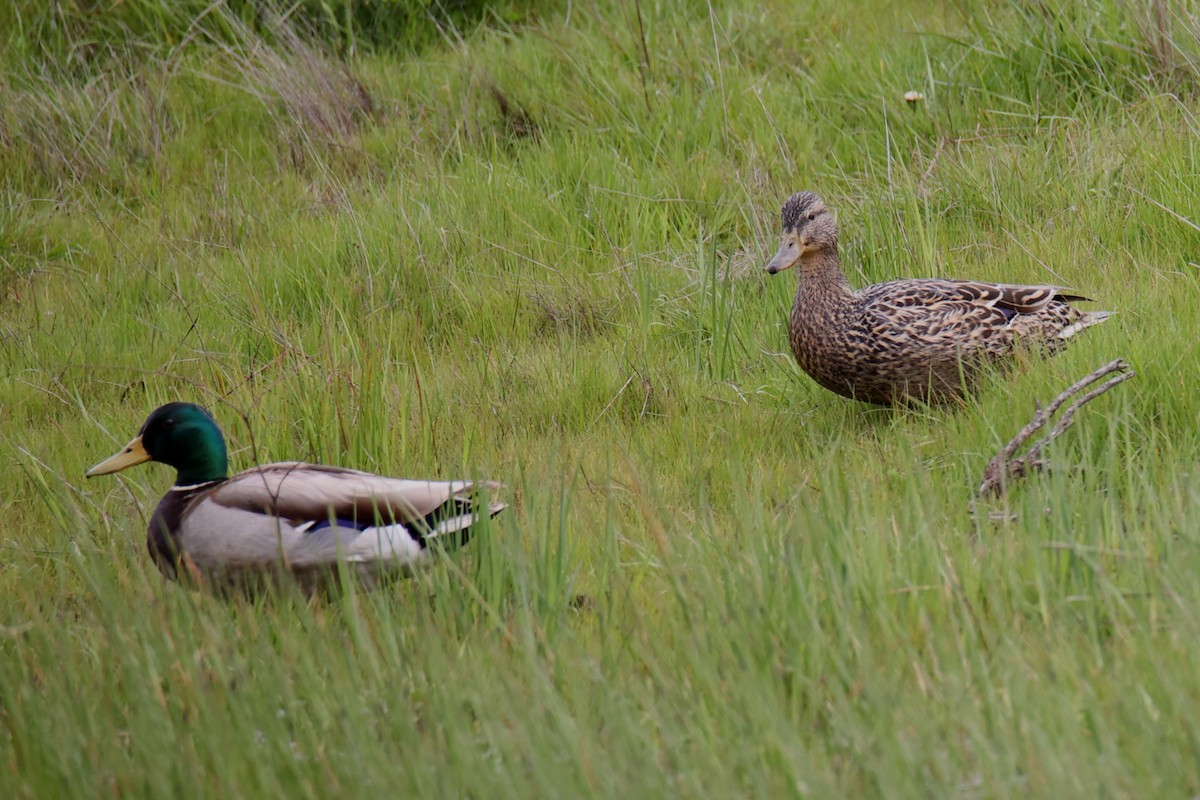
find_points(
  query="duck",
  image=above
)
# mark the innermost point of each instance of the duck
(290, 519)
(921, 341)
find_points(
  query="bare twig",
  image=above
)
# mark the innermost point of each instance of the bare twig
(1004, 467)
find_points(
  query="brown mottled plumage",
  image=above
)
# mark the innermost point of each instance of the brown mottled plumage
(923, 340)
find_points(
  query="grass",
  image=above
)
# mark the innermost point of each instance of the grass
(531, 252)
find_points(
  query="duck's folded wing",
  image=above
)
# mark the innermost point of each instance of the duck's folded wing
(945, 325)
(306, 515)
(300, 492)
(932, 292)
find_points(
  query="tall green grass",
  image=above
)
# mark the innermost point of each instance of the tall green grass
(533, 253)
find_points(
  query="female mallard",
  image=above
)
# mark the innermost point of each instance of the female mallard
(290, 516)
(923, 340)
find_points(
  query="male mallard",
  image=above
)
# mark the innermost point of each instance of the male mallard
(291, 516)
(922, 340)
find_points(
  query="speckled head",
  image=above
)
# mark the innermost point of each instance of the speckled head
(808, 229)
(797, 207)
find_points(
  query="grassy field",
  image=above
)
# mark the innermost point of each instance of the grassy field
(529, 247)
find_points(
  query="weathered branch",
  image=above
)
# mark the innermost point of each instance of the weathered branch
(1004, 467)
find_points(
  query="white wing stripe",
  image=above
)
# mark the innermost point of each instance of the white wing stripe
(392, 542)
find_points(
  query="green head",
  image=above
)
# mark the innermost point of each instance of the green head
(182, 435)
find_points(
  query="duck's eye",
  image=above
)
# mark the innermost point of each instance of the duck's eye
(169, 423)
(812, 215)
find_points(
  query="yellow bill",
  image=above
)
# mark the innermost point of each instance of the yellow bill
(131, 455)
